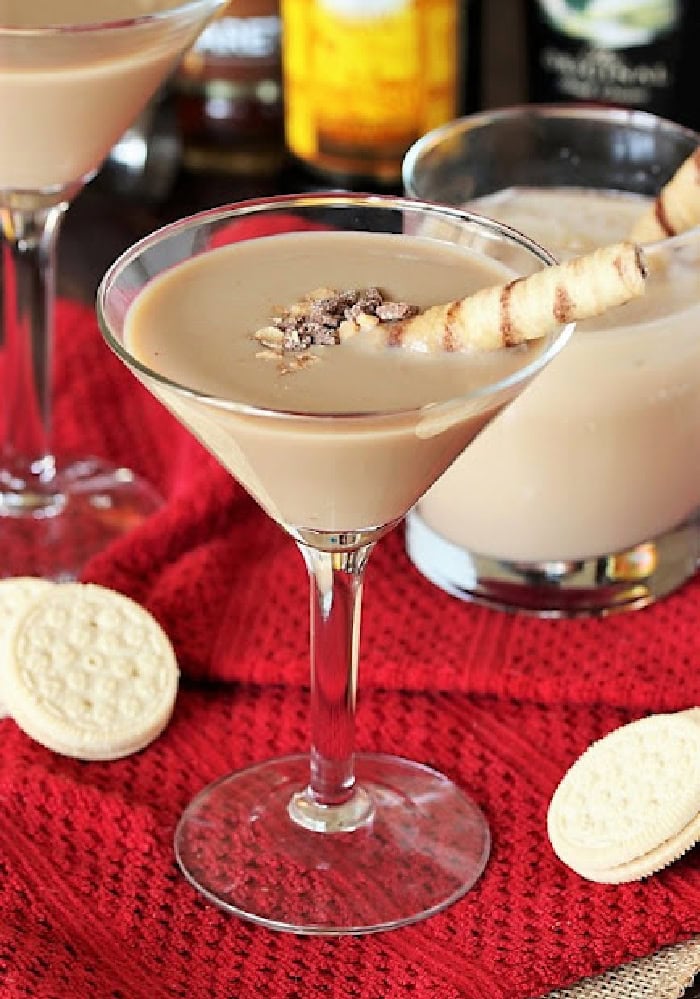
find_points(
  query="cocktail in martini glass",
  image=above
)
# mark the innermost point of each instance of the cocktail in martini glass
(69, 87)
(335, 442)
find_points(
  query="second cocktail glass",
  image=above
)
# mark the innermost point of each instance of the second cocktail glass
(326, 842)
(593, 495)
(68, 89)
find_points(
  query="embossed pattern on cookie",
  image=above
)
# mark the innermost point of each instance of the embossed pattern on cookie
(88, 673)
(16, 595)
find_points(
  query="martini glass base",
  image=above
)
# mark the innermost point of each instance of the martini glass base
(52, 528)
(422, 847)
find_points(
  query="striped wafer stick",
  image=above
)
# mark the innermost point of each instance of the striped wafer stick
(527, 308)
(677, 206)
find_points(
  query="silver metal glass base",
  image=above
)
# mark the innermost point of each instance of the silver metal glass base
(620, 581)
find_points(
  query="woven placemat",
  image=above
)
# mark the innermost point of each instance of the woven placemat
(665, 975)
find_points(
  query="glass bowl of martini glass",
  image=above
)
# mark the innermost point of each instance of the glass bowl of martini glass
(335, 443)
(69, 87)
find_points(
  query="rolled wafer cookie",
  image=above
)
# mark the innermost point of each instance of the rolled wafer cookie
(630, 805)
(16, 594)
(88, 673)
(676, 208)
(526, 308)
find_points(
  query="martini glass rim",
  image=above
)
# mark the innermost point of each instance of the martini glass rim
(179, 8)
(346, 200)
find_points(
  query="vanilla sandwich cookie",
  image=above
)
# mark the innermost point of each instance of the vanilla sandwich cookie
(88, 673)
(655, 860)
(630, 804)
(16, 594)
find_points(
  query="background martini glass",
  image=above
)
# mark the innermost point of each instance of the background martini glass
(68, 90)
(326, 842)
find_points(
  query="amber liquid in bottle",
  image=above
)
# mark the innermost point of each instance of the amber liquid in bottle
(228, 92)
(363, 80)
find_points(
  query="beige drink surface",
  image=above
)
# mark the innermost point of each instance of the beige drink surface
(45, 13)
(65, 98)
(599, 453)
(331, 470)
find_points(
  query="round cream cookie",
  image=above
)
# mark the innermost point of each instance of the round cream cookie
(16, 594)
(630, 804)
(88, 673)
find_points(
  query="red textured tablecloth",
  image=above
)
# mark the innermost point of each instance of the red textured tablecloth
(92, 905)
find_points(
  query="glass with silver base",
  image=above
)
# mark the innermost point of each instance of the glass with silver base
(591, 507)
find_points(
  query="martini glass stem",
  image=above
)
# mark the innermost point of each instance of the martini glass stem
(333, 802)
(28, 254)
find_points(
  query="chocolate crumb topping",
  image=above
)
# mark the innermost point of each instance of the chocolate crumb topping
(391, 312)
(327, 317)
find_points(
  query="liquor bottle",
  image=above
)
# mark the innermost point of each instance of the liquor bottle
(363, 79)
(227, 92)
(470, 51)
(632, 53)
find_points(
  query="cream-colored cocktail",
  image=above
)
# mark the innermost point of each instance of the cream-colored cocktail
(312, 472)
(62, 110)
(593, 508)
(73, 75)
(597, 455)
(334, 433)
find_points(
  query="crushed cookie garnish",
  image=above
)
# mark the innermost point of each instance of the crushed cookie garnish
(325, 318)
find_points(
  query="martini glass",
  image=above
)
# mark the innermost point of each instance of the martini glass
(68, 89)
(325, 842)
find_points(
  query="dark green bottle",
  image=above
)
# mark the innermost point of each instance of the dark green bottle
(635, 53)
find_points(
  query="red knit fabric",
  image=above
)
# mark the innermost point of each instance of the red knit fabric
(92, 905)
